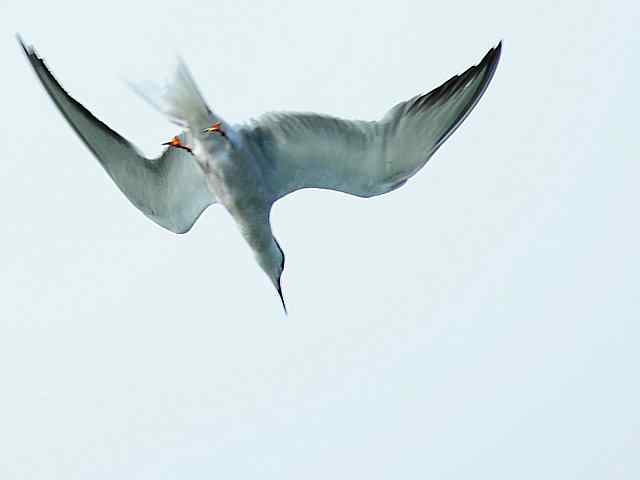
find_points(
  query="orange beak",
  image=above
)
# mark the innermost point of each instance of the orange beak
(175, 142)
(215, 128)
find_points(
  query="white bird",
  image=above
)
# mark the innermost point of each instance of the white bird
(247, 167)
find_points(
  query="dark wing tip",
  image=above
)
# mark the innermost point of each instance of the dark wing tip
(57, 93)
(21, 42)
(492, 58)
(28, 50)
(487, 66)
(482, 73)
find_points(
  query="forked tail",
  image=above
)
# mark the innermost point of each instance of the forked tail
(178, 98)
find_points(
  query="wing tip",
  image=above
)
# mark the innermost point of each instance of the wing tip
(492, 58)
(489, 62)
(483, 71)
(28, 50)
(21, 42)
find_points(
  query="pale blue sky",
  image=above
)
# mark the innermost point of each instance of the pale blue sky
(480, 322)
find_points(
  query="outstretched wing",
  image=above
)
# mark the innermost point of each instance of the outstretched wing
(304, 150)
(171, 190)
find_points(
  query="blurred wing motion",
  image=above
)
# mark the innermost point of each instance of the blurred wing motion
(170, 190)
(178, 98)
(304, 150)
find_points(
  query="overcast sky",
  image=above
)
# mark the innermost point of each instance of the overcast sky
(480, 322)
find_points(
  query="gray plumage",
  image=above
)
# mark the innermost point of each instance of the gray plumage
(251, 165)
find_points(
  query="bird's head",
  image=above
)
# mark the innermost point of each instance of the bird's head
(271, 261)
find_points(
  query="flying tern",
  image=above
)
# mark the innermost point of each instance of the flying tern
(247, 167)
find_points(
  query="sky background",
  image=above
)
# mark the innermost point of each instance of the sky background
(480, 322)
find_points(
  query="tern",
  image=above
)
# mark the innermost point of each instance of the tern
(247, 167)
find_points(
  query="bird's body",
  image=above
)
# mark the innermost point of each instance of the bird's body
(234, 176)
(247, 167)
